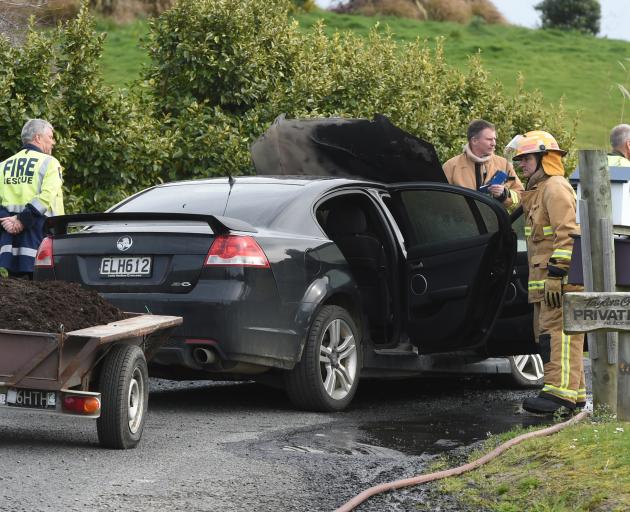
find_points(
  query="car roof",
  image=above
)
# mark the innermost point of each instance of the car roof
(328, 181)
(275, 203)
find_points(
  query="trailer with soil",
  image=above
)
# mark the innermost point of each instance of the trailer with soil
(99, 372)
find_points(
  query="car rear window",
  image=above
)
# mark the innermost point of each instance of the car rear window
(255, 203)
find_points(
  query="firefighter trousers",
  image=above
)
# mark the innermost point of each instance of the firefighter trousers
(562, 356)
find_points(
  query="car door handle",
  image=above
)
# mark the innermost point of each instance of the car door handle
(416, 266)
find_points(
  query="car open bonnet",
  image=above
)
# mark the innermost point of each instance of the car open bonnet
(359, 148)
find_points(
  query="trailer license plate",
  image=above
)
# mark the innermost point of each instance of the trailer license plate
(127, 266)
(31, 398)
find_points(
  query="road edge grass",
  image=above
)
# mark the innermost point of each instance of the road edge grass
(585, 467)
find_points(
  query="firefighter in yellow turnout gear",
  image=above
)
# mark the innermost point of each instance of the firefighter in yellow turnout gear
(549, 205)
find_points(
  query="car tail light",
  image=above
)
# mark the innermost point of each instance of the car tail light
(81, 404)
(44, 256)
(236, 250)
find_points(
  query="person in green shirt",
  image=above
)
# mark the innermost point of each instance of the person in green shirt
(620, 142)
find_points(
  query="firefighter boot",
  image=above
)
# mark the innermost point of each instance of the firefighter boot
(545, 404)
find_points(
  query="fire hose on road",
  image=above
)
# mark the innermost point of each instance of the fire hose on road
(421, 479)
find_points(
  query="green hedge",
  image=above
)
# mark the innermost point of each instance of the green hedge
(220, 72)
(109, 144)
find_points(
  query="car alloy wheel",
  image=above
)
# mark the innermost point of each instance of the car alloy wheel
(527, 370)
(338, 359)
(327, 376)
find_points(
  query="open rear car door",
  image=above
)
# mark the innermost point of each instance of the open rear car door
(460, 251)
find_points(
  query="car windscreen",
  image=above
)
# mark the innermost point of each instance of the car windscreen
(255, 203)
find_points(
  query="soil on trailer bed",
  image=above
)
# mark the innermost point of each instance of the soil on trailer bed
(52, 306)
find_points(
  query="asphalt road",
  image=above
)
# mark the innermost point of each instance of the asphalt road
(241, 447)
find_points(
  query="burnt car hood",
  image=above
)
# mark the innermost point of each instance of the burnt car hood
(373, 150)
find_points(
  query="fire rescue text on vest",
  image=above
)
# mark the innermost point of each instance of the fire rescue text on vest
(19, 170)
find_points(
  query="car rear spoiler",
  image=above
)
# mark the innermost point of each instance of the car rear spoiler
(374, 150)
(219, 225)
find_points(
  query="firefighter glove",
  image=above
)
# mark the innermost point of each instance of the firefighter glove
(553, 292)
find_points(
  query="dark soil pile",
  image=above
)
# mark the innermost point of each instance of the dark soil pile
(52, 306)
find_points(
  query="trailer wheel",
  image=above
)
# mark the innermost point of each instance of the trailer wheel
(124, 387)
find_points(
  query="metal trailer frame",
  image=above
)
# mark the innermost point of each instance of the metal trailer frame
(68, 364)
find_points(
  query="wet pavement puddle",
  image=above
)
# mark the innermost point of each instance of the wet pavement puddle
(436, 432)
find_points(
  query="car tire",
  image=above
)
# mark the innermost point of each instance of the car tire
(327, 376)
(124, 387)
(527, 371)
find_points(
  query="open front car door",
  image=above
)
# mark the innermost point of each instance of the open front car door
(460, 251)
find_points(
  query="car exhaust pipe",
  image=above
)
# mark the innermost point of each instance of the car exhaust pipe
(204, 356)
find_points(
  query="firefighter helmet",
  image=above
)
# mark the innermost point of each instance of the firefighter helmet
(536, 141)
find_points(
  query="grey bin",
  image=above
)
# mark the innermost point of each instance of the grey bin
(622, 262)
(619, 190)
(620, 196)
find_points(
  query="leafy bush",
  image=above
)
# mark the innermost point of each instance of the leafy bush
(221, 72)
(241, 63)
(215, 63)
(223, 52)
(582, 15)
(108, 143)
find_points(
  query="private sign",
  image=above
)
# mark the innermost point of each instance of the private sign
(586, 312)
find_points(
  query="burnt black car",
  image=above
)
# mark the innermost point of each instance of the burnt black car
(315, 279)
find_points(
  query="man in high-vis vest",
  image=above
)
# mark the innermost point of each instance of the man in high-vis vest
(30, 190)
(620, 142)
(478, 164)
(549, 206)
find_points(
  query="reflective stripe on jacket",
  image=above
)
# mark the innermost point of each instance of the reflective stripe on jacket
(17, 252)
(549, 209)
(460, 170)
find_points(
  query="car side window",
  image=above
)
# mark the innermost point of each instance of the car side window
(518, 225)
(436, 216)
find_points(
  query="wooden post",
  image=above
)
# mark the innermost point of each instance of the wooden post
(595, 187)
(587, 270)
(608, 250)
(623, 378)
(605, 313)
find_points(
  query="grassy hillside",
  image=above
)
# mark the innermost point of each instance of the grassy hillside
(585, 70)
(123, 55)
